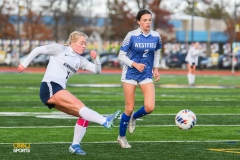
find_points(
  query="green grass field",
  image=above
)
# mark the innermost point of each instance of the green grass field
(24, 119)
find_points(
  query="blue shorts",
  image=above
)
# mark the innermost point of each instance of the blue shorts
(47, 90)
(133, 74)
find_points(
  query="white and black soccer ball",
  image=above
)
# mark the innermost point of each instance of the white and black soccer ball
(185, 119)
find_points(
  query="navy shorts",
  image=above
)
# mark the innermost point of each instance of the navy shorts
(191, 64)
(47, 90)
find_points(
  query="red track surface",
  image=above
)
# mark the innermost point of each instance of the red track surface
(118, 71)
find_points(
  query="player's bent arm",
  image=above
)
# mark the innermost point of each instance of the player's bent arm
(95, 67)
(196, 53)
(122, 57)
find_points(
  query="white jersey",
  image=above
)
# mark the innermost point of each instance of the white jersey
(63, 63)
(192, 55)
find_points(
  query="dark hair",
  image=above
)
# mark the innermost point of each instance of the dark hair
(142, 12)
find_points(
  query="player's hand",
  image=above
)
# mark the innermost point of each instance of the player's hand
(156, 74)
(93, 54)
(139, 66)
(21, 68)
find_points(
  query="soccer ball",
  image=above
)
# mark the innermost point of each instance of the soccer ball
(185, 119)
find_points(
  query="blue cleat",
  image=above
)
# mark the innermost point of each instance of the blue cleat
(110, 119)
(76, 149)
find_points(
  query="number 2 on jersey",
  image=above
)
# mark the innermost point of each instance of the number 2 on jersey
(145, 53)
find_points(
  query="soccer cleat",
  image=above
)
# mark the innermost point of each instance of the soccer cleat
(131, 124)
(110, 119)
(76, 149)
(123, 142)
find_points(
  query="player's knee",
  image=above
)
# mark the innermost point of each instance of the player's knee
(149, 108)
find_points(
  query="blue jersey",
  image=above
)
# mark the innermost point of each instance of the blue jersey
(140, 48)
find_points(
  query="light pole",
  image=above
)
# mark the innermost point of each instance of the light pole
(192, 27)
(20, 8)
(234, 36)
(18, 34)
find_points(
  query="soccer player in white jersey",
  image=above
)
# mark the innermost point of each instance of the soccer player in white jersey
(192, 61)
(65, 60)
(140, 53)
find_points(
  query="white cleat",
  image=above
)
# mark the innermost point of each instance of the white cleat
(131, 124)
(123, 142)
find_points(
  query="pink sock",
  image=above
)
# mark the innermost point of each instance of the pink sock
(80, 130)
(82, 122)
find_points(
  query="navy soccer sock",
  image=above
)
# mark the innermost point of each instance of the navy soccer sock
(140, 113)
(123, 124)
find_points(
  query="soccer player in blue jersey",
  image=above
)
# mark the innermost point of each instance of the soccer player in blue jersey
(64, 62)
(140, 53)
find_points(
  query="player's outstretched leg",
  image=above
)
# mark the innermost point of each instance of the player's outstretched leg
(111, 118)
(76, 149)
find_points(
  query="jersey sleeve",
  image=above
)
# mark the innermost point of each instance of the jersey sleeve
(196, 52)
(47, 49)
(193, 52)
(122, 56)
(54, 49)
(157, 52)
(92, 67)
(126, 45)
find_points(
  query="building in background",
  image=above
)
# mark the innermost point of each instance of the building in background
(204, 30)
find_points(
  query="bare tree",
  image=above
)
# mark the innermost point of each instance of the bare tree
(68, 15)
(54, 9)
(161, 16)
(6, 28)
(33, 26)
(120, 20)
(142, 4)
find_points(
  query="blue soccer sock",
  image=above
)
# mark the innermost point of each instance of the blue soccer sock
(140, 113)
(123, 124)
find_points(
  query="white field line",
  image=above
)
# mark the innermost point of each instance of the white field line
(161, 86)
(146, 126)
(64, 114)
(106, 142)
